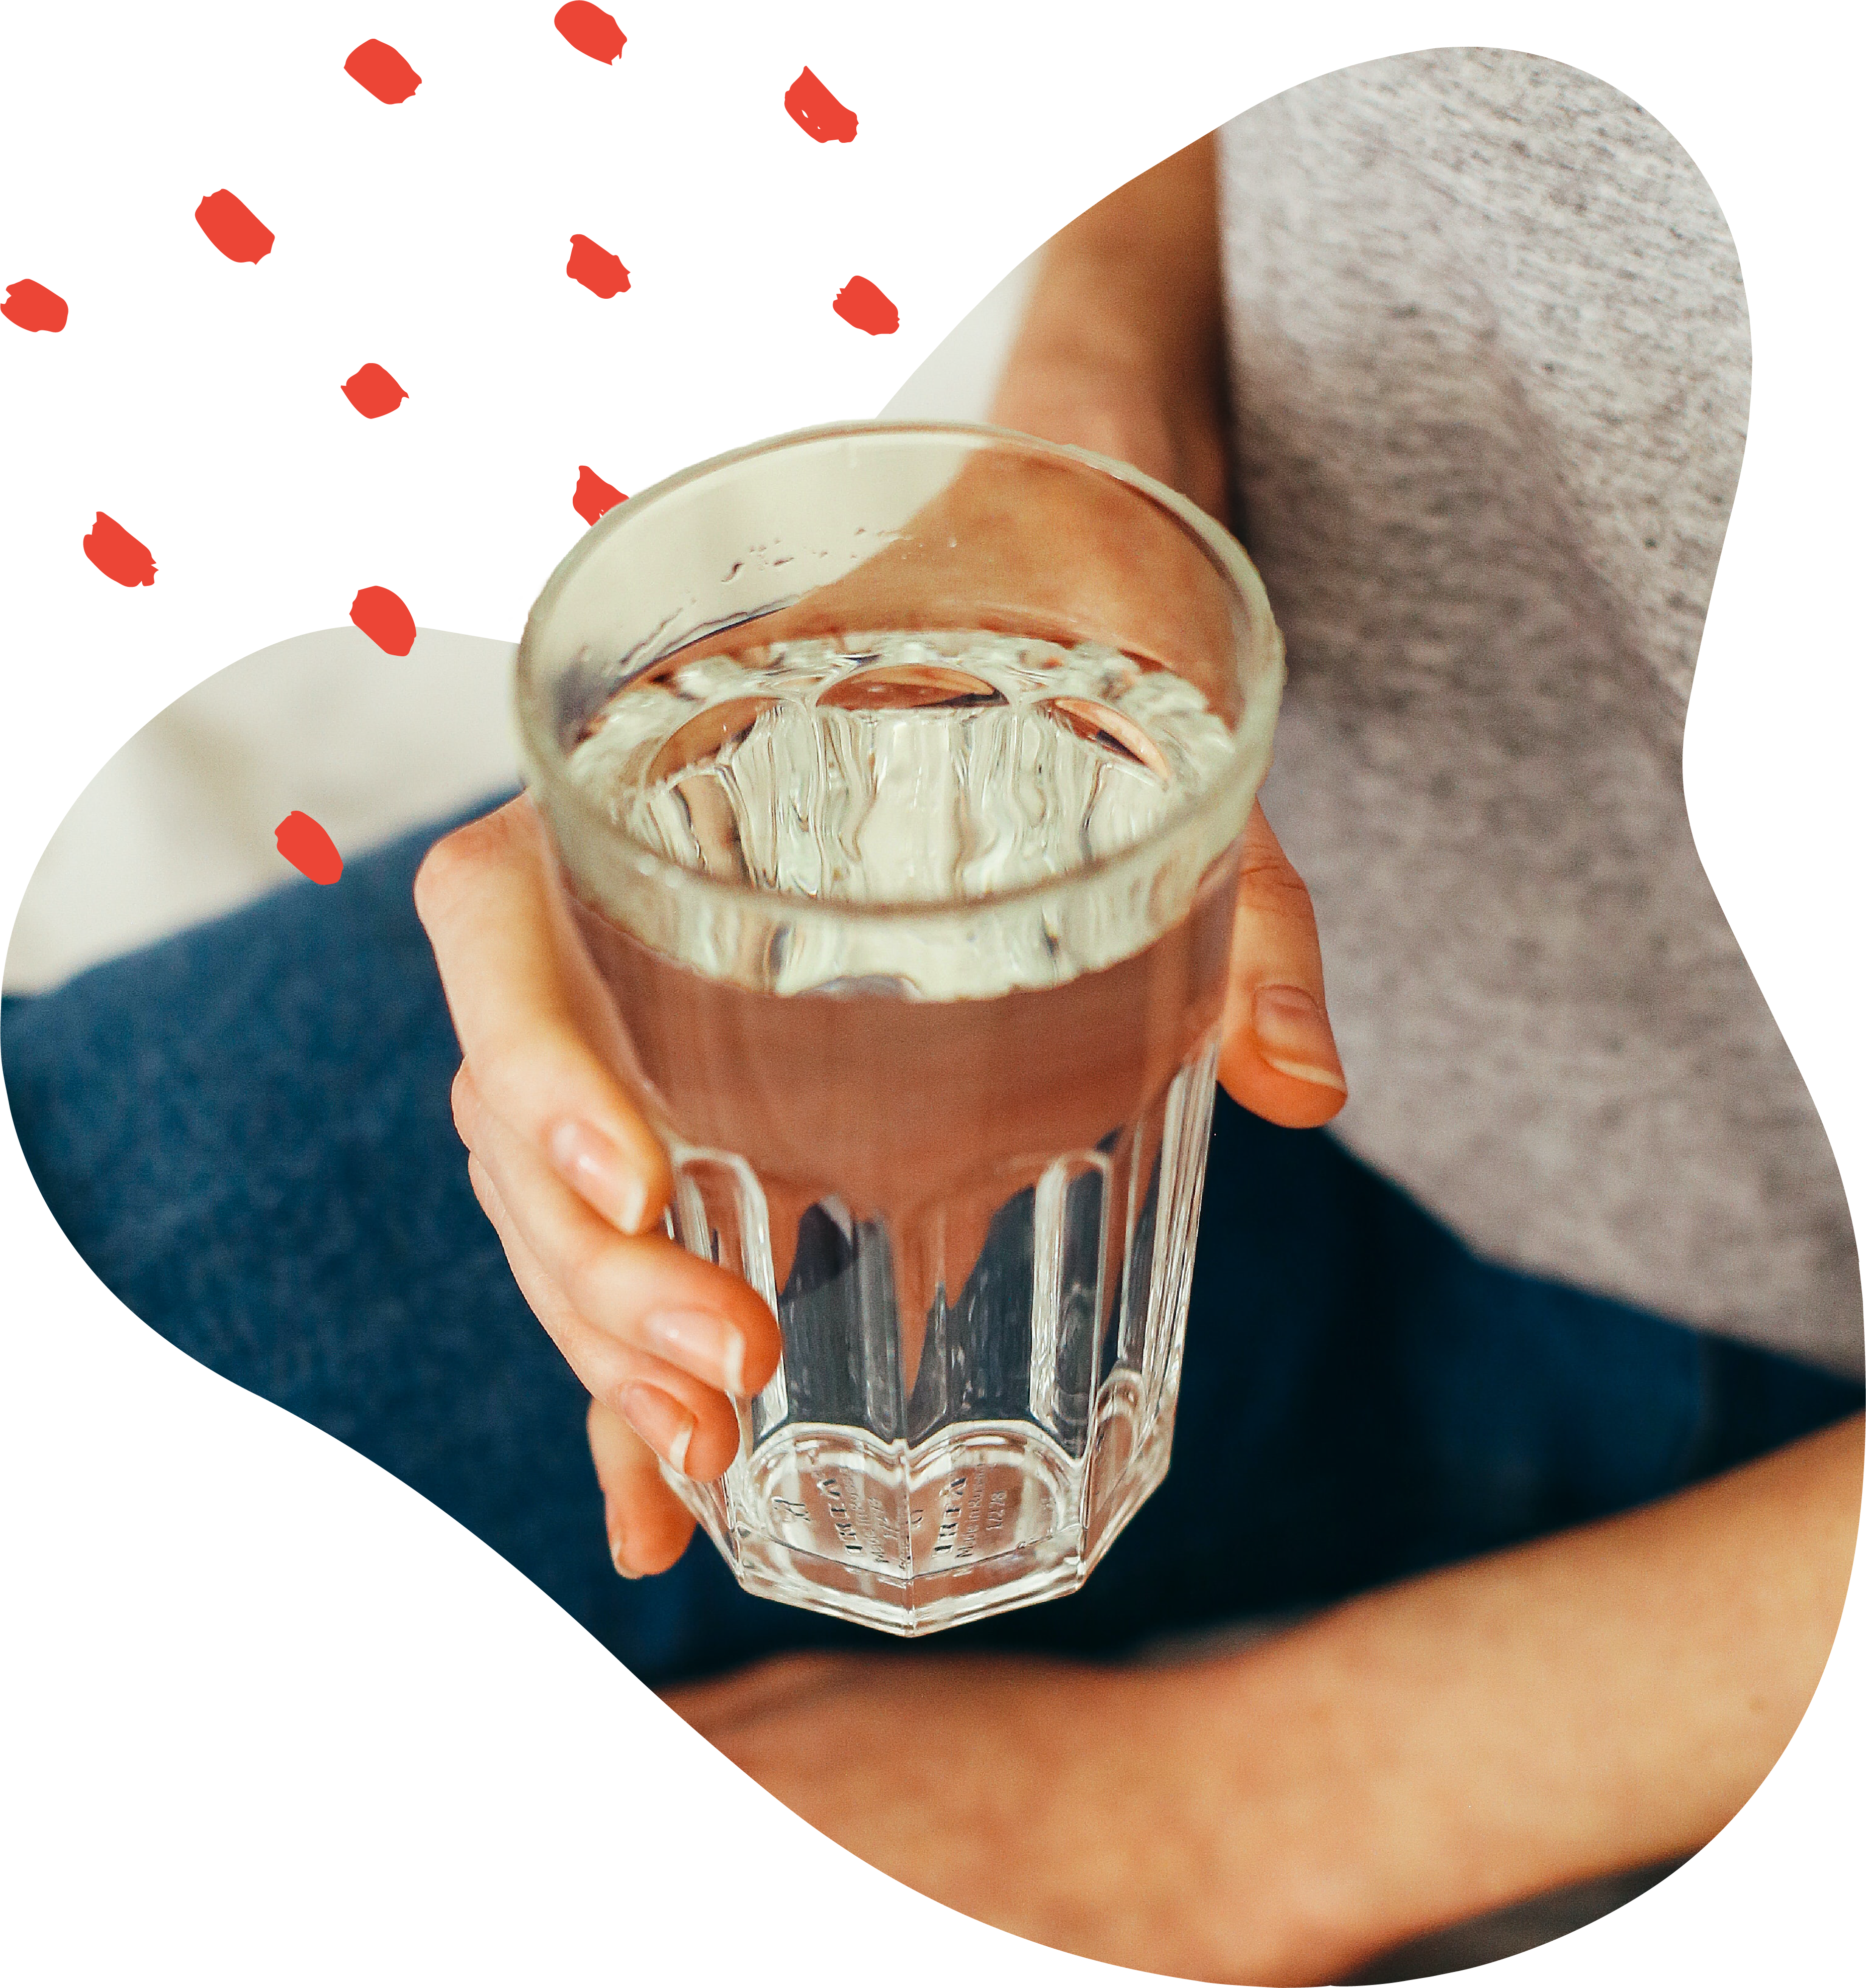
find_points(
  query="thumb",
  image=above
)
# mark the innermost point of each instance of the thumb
(1277, 1055)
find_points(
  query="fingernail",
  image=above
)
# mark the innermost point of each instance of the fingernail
(617, 1559)
(592, 1162)
(705, 1346)
(1293, 1036)
(660, 1422)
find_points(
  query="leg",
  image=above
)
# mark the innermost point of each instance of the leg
(245, 1132)
(1362, 1399)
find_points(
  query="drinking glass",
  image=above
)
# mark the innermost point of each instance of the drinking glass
(955, 1135)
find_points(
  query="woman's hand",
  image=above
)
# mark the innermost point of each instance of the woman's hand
(563, 1163)
(575, 1183)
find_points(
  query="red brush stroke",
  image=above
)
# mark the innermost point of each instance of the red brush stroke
(384, 616)
(33, 307)
(374, 392)
(117, 555)
(593, 496)
(590, 31)
(595, 267)
(859, 303)
(818, 112)
(382, 71)
(234, 228)
(304, 844)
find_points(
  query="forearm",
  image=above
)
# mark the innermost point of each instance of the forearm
(1596, 1701)
(1121, 346)
(1138, 274)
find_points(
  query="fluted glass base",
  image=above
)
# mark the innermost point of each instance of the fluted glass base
(986, 1458)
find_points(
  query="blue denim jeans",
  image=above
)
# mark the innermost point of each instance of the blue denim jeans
(245, 1131)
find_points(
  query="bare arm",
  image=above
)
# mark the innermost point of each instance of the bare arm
(1121, 347)
(1594, 1702)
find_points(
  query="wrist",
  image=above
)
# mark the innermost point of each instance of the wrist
(1121, 349)
(1102, 377)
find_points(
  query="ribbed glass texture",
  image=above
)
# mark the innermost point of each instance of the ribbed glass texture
(914, 1481)
(955, 1132)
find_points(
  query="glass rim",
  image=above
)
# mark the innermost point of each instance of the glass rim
(544, 765)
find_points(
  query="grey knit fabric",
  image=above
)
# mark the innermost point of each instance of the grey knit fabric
(1491, 374)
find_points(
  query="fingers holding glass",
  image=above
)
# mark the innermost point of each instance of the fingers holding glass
(624, 1311)
(533, 1023)
(1279, 1057)
(648, 1528)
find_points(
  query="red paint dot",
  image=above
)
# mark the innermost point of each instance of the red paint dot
(593, 496)
(33, 307)
(859, 303)
(384, 616)
(234, 228)
(382, 71)
(590, 31)
(304, 844)
(595, 267)
(374, 392)
(818, 112)
(117, 555)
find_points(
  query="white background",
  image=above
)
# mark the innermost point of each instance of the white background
(269, 1716)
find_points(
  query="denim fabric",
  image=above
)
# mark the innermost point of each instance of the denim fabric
(245, 1131)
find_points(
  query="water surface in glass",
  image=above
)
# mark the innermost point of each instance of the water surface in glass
(917, 939)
